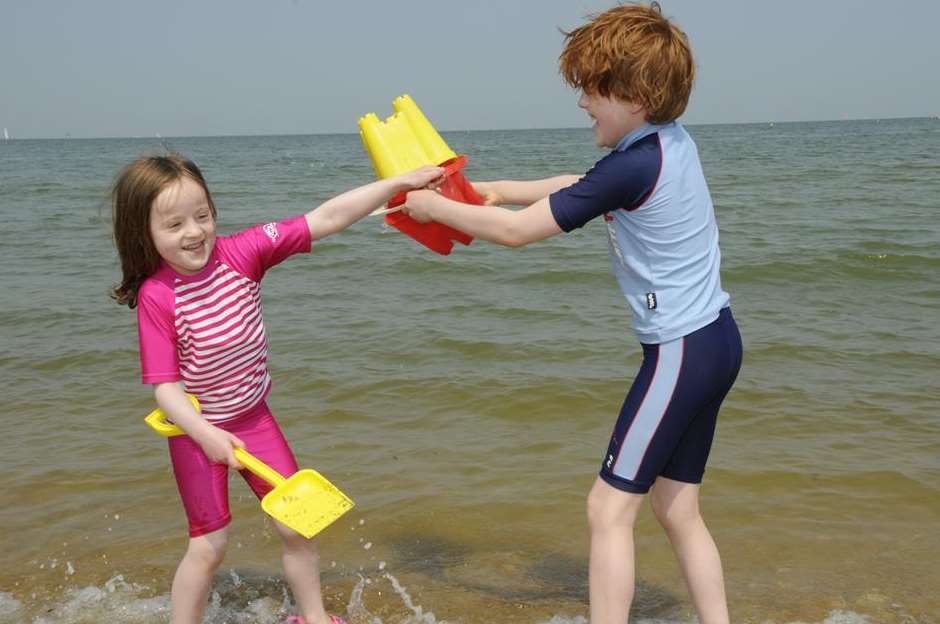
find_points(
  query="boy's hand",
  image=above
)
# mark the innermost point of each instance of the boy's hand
(427, 176)
(489, 195)
(418, 205)
(218, 445)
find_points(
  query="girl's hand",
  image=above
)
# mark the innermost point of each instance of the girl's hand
(418, 205)
(489, 195)
(218, 445)
(427, 176)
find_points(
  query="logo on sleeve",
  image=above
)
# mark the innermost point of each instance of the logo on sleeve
(651, 301)
(271, 230)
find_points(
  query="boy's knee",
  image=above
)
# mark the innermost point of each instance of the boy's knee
(609, 508)
(672, 515)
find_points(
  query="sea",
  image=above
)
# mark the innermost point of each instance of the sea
(464, 402)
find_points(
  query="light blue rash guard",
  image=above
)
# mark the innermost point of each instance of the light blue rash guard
(661, 229)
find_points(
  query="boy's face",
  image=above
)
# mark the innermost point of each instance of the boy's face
(613, 118)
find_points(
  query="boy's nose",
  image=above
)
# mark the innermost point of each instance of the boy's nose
(582, 101)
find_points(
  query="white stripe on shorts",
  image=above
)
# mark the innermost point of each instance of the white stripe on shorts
(652, 408)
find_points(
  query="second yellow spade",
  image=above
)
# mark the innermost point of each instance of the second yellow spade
(306, 501)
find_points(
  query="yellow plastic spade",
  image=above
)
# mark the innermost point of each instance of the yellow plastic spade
(306, 501)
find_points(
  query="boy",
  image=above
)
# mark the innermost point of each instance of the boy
(635, 71)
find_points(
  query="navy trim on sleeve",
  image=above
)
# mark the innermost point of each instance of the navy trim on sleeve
(620, 180)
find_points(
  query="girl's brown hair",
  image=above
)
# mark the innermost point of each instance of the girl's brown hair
(634, 54)
(134, 191)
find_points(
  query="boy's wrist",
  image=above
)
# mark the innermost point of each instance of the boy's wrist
(436, 205)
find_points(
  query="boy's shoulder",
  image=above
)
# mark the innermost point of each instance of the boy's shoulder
(641, 160)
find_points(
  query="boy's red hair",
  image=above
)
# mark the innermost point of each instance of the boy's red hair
(634, 54)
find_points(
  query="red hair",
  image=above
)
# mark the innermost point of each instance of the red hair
(634, 54)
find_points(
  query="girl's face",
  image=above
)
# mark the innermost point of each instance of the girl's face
(182, 226)
(613, 118)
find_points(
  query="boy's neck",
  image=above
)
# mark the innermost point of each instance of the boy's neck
(636, 132)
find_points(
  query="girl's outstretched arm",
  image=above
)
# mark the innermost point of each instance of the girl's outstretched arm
(216, 443)
(521, 192)
(492, 223)
(338, 213)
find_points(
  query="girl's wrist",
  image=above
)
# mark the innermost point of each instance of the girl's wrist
(400, 185)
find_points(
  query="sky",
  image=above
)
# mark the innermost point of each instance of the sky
(123, 68)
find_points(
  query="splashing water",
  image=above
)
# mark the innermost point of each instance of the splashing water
(358, 611)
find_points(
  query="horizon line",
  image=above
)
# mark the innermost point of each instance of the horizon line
(298, 134)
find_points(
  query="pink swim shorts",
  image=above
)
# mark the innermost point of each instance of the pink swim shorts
(203, 486)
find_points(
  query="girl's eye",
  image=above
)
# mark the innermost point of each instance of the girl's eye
(174, 225)
(204, 216)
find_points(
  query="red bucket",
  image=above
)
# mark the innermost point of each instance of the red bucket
(436, 236)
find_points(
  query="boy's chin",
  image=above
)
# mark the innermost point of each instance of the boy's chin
(599, 140)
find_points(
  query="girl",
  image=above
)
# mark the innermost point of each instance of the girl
(198, 303)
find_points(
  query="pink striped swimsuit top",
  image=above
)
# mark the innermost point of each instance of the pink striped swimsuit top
(206, 330)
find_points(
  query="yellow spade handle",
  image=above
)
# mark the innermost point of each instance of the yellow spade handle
(158, 422)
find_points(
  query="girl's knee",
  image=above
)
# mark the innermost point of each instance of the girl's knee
(294, 542)
(208, 550)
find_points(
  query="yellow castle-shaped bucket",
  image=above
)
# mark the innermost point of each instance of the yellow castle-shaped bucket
(404, 141)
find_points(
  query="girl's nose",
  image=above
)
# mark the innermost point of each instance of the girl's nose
(583, 101)
(193, 230)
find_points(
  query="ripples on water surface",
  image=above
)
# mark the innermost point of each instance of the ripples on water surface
(465, 402)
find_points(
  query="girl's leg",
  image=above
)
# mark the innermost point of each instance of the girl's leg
(302, 569)
(194, 576)
(611, 515)
(264, 439)
(676, 506)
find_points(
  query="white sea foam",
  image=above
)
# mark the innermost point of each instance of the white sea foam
(121, 602)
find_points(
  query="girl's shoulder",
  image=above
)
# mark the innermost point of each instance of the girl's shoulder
(157, 289)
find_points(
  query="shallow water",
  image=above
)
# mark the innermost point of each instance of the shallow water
(465, 402)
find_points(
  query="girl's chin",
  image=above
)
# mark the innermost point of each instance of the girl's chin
(191, 263)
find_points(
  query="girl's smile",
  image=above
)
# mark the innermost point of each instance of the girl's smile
(182, 226)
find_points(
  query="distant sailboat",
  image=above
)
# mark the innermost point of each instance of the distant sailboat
(6, 135)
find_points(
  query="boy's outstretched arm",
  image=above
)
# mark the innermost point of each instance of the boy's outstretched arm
(521, 192)
(492, 223)
(338, 213)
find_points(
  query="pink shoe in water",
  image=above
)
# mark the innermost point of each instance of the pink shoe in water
(296, 619)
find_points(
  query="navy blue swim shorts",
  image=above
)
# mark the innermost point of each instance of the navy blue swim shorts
(667, 421)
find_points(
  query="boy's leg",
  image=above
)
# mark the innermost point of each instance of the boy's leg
(676, 506)
(611, 515)
(302, 569)
(194, 576)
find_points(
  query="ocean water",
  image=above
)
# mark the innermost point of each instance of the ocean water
(464, 402)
